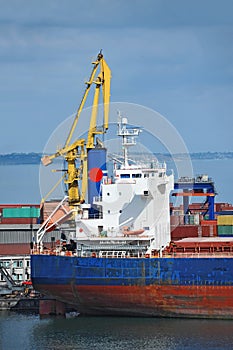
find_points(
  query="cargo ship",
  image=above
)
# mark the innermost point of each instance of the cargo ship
(125, 251)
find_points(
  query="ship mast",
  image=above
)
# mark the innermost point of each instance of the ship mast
(128, 137)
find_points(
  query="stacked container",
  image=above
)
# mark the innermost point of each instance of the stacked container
(209, 228)
(184, 231)
(225, 225)
(12, 214)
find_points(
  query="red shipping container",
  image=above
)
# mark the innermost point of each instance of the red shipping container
(223, 206)
(208, 222)
(18, 221)
(209, 228)
(218, 206)
(184, 231)
(18, 248)
(209, 231)
(14, 249)
(2, 206)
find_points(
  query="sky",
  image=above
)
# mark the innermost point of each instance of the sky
(174, 57)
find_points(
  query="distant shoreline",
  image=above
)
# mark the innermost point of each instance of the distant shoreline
(20, 158)
(35, 158)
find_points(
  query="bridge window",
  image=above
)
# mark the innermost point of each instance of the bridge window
(136, 176)
(18, 277)
(6, 263)
(18, 263)
(125, 176)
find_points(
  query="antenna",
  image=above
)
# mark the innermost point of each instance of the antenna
(128, 136)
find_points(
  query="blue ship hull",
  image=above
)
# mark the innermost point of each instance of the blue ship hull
(190, 287)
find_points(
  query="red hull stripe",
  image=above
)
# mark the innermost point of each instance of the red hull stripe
(188, 301)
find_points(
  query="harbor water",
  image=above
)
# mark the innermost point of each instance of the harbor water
(21, 331)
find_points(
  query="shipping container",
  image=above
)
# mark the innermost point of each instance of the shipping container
(225, 220)
(223, 206)
(16, 236)
(24, 236)
(208, 222)
(225, 230)
(209, 231)
(196, 219)
(14, 249)
(18, 248)
(191, 219)
(23, 212)
(184, 231)
(2, 206)
(209, 228)
(19, 221)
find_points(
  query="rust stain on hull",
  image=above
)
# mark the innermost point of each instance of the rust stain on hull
(166, 301)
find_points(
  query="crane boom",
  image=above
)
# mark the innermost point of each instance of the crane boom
(86, 92)
(103, 79)
(106, 91)
(79, 148)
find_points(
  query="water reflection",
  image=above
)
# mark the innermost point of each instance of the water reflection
(102, 333)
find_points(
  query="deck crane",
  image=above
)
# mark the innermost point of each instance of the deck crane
(101, 78)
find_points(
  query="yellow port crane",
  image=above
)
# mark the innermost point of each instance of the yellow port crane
(101, 77)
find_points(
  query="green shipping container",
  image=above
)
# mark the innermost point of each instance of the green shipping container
(21, 212)
(191, 219)
(225, 230)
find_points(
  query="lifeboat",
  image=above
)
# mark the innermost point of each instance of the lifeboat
(62, 214)
(128, 232)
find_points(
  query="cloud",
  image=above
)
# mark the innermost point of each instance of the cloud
(121, 13)
(172, 56)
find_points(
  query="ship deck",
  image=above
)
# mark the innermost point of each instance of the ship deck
(201, 247)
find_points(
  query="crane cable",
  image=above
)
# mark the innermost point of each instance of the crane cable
(52, 189)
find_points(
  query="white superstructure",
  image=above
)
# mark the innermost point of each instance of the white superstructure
(133, 205)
